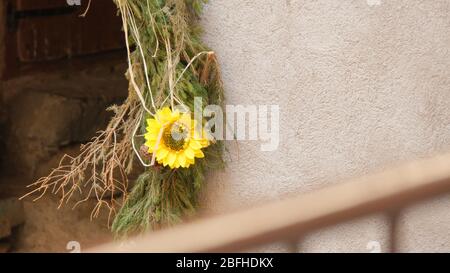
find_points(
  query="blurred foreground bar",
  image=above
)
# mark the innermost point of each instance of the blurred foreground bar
(289, 219)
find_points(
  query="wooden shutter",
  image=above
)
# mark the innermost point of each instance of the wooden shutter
(47, 30)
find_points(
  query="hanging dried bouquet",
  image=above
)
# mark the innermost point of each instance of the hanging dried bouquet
(168, 68)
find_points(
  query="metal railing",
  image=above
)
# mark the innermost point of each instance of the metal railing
(292, 218)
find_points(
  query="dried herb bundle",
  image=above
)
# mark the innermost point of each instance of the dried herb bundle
(168, 66)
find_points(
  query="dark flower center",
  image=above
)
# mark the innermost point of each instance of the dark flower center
(174, 136)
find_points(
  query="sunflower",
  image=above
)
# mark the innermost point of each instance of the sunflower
(172, 138)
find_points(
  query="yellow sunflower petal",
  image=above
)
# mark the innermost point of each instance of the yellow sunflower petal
(190, 161)
(170, 159)
(199, 154)
(189, 153)
(176, 163)
(181, 160)
(194, 144)
(152, 123)
(151, 136)
(162, 153)
(164, 115)
(150, 145)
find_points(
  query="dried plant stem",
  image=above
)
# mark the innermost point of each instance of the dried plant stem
(106, 159)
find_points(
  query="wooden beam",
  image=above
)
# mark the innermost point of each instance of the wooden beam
(295, 216)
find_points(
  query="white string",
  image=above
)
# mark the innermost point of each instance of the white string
(154, 30)
(134, 145)
(130, 67)
(190, 63)
(136, 35)
(184, 71)
(158, 140)
(170, 68)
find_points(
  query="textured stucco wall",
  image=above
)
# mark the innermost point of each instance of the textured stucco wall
(360, 86)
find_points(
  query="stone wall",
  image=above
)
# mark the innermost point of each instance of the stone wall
(48, 115)
(50, 111)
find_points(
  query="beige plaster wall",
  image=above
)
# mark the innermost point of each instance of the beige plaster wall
(361, 85)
